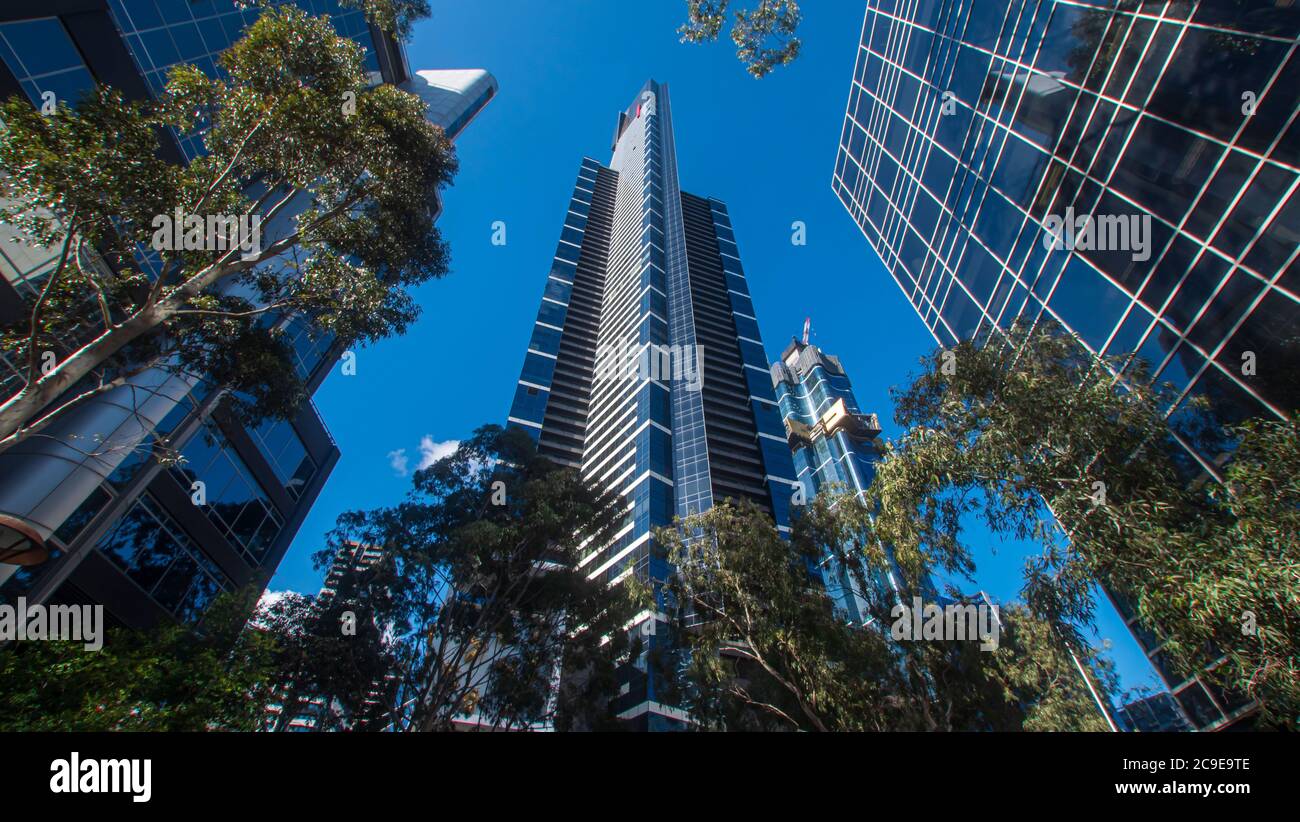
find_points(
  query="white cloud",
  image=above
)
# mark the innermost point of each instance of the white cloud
(431, 452)
(399, 462)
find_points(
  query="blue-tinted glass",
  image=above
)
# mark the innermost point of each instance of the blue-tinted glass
(10, 59)
(1087, 303)
(1164, 168)
(42, 46)
(189, 44)
(174, 11)
(143, 13)
(1203, 81)
(140, 545)
(68, 87)
(162, 51)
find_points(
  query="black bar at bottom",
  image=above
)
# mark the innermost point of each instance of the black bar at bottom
(960, 773)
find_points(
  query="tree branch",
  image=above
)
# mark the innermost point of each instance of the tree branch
(33, 357)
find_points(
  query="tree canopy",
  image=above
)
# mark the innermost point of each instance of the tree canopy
(764, 35)
(174, 677)
(766, 650)
(1040, 440)
(490, 619)
(340, 178)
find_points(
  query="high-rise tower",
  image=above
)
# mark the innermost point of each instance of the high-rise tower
(646, 369)
(833, 443)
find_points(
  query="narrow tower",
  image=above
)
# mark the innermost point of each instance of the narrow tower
(833, 443)
(646, 370)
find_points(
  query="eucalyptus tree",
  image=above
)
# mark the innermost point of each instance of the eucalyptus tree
(764, 648)
(315, 196)
(1038, 439)
(492, 620)
(765, 35)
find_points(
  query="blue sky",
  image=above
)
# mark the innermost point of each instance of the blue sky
(765, 147)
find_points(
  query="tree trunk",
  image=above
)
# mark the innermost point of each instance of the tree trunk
(19, 409)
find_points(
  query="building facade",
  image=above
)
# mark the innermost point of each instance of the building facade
(1153, 714)
(120, 529)
(833, 443)
(646, 370)
(1125, 169)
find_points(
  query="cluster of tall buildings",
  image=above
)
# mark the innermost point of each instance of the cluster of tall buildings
(982, 143)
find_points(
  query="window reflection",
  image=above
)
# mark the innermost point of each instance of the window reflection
(284, 450)
(234, 502)
(151, 548)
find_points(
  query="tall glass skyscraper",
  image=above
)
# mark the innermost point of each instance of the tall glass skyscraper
(832, 442)
(648, 276)
(1164, 132)
(119, 528)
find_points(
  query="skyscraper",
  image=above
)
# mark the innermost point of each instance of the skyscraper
(1127, 169)
(120, 529)
(348, 572)
(832, 442)
(646, 370)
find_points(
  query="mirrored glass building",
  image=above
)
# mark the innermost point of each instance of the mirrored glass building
(120, 529)
(1127, 168)
(833, 444)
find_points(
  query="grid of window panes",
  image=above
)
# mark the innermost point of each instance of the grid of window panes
(152, 549)
(43, 59)
(232, 498)
(286, 454)
(116, 485)
(309, 345)
(164, 33)
(692, 486)
(969, 122)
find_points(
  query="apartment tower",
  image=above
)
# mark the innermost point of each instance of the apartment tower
(646, 370)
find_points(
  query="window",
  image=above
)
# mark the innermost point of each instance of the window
(1164, 167)
(43, 59)
(1088, 303)
(529, 404)
(150, 547)
(234, 502)
(284, 450)
(309, 345)
(1205, 77)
